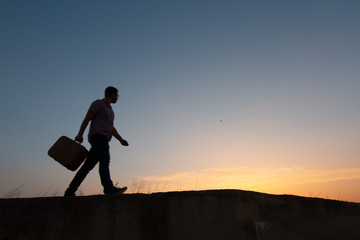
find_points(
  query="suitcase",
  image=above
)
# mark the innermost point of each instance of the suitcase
(68, 153)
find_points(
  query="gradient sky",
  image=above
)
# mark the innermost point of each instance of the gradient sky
(261, 96)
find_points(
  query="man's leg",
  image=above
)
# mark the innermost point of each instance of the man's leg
(104, 162)
(104, 171)
(100, 147)
(88, 165)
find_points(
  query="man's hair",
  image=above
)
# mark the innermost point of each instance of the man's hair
(109, 91)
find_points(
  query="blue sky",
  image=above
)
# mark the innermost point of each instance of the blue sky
(205, 86)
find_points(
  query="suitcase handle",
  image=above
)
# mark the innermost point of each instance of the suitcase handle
(77, 142)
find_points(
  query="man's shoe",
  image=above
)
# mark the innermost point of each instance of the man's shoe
(69, 193)
(115, 190)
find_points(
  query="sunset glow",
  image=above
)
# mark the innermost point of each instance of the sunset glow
(295, 181)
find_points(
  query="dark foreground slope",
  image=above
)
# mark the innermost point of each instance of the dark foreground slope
(220, 215)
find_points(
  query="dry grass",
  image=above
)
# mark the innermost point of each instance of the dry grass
(137, 186)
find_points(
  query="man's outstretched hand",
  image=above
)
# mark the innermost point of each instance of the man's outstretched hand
(124, 142)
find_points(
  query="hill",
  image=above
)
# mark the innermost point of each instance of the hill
(212, 214)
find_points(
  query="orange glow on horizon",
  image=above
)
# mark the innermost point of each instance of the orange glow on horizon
(337, 184)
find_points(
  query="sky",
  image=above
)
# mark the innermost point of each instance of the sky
(252, 95)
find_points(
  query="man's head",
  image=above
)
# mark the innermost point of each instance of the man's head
(111, 94)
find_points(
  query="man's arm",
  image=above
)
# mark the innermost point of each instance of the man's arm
(118, 137)
(87, 119)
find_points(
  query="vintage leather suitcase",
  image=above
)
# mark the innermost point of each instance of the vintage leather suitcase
(68, 153)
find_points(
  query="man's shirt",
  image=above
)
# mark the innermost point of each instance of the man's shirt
(103, 121)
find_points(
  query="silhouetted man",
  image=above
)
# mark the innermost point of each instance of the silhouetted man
(101, 131)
